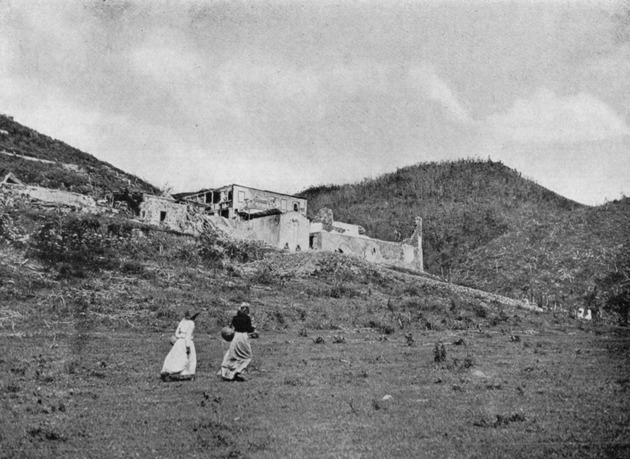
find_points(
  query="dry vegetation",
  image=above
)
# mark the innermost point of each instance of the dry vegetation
(65, 166)
(353, 360)
(487, 227)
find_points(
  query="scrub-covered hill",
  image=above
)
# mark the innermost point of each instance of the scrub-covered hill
(581, 258)
(464, 205)
(36, 159)
(486, 226)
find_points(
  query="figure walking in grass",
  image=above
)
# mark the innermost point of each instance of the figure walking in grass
(239, 355)
(181, 362)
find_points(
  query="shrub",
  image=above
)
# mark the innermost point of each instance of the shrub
(132, 267)
(214, 247)
(480, 311)
(616, 288)
(439, 353)
(385, 329)
(339, 290)
(75, 244)
(264, 275)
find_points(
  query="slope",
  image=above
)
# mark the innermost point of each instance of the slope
(576, 259)
(37, 159)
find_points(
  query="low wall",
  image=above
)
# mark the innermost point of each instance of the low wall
(53, 196)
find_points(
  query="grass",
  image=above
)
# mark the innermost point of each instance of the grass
(354, 360)
(81, 390)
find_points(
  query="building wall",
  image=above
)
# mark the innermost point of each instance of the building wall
(232, 198)
(245, 199)
(283, 230)
(157, 210)
(373, 250)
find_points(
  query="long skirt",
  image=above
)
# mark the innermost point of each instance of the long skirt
(237, 357)
(177, 362)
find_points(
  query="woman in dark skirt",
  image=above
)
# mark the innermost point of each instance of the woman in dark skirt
(239, 355)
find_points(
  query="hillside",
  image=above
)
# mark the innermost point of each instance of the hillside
(36, 159)
(486, 226)
(464, 205)
(577, 258)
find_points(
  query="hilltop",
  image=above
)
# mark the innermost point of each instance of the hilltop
(37, 159)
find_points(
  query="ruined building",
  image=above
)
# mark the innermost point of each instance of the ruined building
(329, 235)
(274, 218)
(237, 200)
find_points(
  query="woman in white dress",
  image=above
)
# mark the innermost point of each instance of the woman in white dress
(181, 361)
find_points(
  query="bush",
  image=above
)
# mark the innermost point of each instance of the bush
(616, 288)
(214, 247)
(132, 267)
(439, 353)
(385, 329)
(75, 244)
(340, 290)
(264, 275)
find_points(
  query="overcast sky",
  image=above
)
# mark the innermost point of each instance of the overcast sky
(284, 95)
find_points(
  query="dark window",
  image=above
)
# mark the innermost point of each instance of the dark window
(162, 215)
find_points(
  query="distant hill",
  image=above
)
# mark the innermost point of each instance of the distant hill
(487, 227)
(464, 205)
(37, 159)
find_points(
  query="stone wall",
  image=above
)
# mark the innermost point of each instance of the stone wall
(161, 211)
(53, 196)
(289, 230)
(373, 250)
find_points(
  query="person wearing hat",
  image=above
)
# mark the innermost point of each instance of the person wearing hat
(239, 355)
(181, 361)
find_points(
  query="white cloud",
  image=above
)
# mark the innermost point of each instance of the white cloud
(434, 88)
(546, 118)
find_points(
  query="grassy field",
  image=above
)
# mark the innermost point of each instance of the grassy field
(345, 365)
(542, 389)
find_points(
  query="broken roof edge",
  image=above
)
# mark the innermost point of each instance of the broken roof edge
(11, 179)
(205, 190)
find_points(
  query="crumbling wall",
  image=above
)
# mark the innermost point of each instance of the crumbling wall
(289, 230)
(53, 196)
(327, 234)
(157, 210)
(247, 199)
(373, 250)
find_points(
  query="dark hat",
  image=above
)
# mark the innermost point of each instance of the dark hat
(191, 315)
